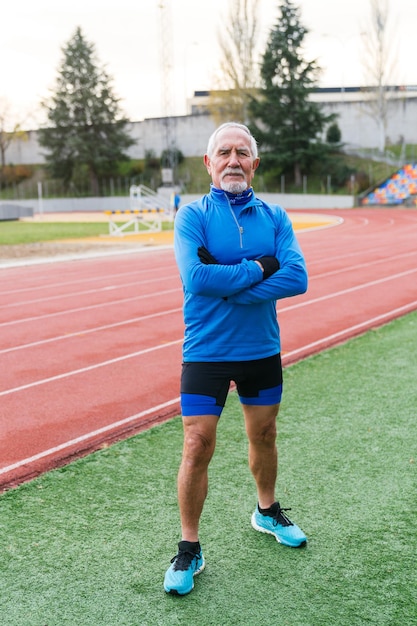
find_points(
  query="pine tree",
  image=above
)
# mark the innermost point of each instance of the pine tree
(286, 123)
(85, 125)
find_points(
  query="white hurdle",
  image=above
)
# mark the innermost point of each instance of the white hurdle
(147, 211)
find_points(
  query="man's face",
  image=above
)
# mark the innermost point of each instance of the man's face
(232, 165)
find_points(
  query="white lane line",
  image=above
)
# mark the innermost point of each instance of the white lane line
(407, 308)
(87, 436)
(150, 295)
(80, 309)
(280, 310)
(89, 368)
(90, 279)
(328, 252)
(350, 268)
(74, 294)
(79, 257)
(79, 333)
(342, 292)
(79, 281)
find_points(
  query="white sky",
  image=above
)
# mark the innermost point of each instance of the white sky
(126, 35)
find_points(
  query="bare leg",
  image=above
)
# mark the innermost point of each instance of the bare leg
(260, 422)
(199, 445)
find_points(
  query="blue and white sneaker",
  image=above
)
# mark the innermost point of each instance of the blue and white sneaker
(278, 524)
(179, 577)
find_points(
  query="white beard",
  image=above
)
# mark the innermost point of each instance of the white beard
(234, 187)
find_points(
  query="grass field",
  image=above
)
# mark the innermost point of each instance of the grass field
(17, 232)
(88, 544)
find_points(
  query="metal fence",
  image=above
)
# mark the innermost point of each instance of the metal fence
(51, 188)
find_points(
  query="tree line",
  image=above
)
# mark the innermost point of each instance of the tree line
(86, 130)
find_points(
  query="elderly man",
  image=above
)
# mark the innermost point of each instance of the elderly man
(237, 256)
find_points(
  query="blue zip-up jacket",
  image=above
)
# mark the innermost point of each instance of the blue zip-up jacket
(229, 311)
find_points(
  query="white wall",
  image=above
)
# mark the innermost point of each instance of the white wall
(358, 127)
(191, 132)
(86, 205)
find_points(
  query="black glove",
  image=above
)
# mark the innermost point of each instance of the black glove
(208, 259)
(270, 265)
(205, 256)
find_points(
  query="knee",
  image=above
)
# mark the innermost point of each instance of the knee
(264, 436)
(198, 448)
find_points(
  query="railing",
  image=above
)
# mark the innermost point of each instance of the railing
(142, 197)
(147, 211)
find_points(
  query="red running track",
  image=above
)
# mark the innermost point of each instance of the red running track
(90, 349)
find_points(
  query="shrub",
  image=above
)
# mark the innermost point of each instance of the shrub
(14, 174)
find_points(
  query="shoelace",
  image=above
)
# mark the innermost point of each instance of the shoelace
(183, 560)
(280, 518)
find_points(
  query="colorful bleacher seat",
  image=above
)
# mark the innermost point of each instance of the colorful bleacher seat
(396, 189)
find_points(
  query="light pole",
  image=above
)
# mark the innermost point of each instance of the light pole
(186, 54)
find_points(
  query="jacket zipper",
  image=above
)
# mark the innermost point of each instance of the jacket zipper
(239, 227)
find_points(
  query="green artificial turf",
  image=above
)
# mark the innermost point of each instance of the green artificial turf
(88, 544)
(16, 232)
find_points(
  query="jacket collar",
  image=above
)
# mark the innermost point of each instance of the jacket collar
(239, 201)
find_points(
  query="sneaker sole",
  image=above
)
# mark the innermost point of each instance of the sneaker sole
(174, 592)
(301, 544)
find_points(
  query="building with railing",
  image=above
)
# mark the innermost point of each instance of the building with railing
(191, 132)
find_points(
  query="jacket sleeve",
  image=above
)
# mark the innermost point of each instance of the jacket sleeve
(207, 280)
(290, 280)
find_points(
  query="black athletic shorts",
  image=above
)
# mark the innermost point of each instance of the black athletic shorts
(204, 386)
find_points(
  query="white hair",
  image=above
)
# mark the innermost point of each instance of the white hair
(212, 141)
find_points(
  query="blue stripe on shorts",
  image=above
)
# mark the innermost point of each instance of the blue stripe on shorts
(266, 397)
(197, 404)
